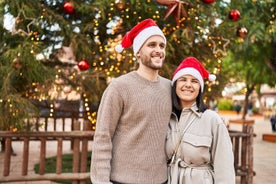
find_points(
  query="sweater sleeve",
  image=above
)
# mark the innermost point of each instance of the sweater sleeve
(222, 155)
(107, 119)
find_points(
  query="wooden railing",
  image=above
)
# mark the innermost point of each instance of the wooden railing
(243, 153)
(80, 151)
(79, 144)
(242, 148)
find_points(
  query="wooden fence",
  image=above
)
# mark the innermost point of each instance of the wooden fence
(80, 153)
(243, 153)
(80, 137)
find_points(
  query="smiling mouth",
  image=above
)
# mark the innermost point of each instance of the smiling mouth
(187, 91)
(159, 57)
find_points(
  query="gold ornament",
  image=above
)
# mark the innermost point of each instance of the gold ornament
(221, 41)
(21, 17)
(16, 63)
(119, 4)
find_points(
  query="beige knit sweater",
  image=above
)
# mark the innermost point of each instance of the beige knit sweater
(132, 121)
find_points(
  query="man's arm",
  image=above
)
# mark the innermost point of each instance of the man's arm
(107, 119)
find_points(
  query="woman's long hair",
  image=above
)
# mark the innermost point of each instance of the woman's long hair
(176, 100)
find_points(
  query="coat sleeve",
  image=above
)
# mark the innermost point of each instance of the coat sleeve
(107, 119)
(222, 154)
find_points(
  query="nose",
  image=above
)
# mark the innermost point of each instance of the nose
(187, 83)
(159, 51)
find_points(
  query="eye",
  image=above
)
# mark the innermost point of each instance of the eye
(182, 79)
(162, 45)
(152, 44)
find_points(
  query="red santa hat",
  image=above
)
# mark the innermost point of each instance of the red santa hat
(138, 35)
(192, 66)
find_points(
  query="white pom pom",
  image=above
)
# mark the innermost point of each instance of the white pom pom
(212, 77)
(119, 48)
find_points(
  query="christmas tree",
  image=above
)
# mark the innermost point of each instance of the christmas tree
(64, 50)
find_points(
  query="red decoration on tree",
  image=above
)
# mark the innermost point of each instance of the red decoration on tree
(83, 65)
(234, 15)
(68, 7)
(175, 7)
(241, 32)
(208, 1)
(166, 2)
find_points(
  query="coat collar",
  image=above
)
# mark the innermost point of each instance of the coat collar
(193, 108)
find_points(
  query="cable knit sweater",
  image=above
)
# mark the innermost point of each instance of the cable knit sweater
(129, 141)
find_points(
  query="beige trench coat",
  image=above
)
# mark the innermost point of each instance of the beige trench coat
(205, 154)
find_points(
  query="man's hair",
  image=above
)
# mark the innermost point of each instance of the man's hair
(176, 101)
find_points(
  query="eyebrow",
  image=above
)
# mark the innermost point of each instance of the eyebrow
(184, 77)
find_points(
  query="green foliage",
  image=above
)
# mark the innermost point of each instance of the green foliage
(225, 104)
(255, 110)
(14, 121)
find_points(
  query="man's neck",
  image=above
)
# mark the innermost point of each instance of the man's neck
(148, 73)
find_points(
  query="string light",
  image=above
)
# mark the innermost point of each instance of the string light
(115, 63)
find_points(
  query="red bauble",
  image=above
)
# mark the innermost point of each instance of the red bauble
(234, 15)
(208, 1)
(241, 32)
(83, 65)
(68, 7)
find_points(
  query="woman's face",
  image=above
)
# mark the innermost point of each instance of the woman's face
(187, 89)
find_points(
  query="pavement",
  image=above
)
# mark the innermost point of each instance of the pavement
(264, 152)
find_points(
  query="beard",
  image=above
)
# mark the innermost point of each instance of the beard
(154, 63)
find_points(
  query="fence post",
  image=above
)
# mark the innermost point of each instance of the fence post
(59, 156)
(76, 151)
(84, 149)
(7, 157)
(250, 154)
(42, 156)
(25, 156)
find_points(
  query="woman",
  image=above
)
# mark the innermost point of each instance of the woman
(197, 136)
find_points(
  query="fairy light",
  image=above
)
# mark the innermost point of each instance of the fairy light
(115, 62)
(51, 110)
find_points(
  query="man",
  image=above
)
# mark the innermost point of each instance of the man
(133, 116)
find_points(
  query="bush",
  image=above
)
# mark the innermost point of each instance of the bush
(225, 104)
(255, 110)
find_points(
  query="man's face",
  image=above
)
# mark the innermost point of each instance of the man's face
(152, 53)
